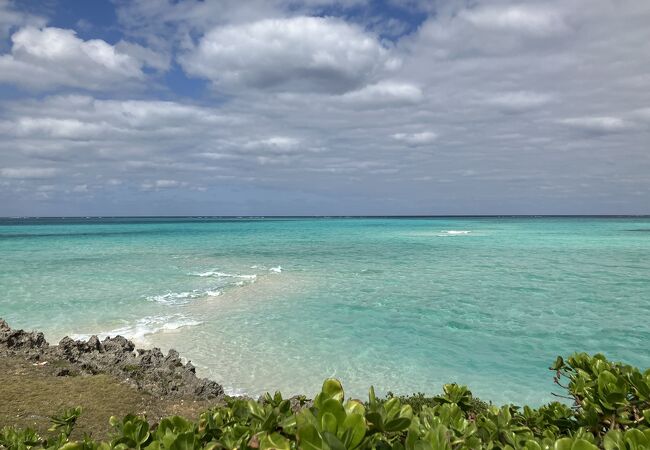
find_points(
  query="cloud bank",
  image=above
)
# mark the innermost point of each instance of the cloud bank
(327, 107)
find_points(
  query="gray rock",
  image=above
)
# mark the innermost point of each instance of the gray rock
(148, 370)
(14, 340)
(94, 344)
(118, 344)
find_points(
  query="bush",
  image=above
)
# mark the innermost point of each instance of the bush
(610, 409)
(461, 395)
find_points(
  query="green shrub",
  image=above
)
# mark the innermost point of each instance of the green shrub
(470, 404)
(610, 409)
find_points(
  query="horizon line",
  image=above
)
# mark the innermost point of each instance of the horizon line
(330, 216)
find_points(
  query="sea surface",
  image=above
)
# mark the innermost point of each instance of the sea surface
(404, 304)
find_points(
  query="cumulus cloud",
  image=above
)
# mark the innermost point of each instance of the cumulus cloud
(488, 29)
(169, 24)
(42, 58)
(11, 18)
(313, 54)
(497, 106)
(156, 60)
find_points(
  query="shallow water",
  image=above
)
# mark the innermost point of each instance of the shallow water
(403, 304)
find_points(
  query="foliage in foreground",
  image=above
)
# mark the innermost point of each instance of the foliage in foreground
(611, 410)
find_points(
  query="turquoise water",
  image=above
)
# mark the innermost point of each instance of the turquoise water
(403, 304)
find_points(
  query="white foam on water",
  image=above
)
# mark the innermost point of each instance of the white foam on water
(454, 233)
(182, 298)
(146, 326)
(214, 273)
(202, 274)
(234, 392)
(247, 277)
(277, 269)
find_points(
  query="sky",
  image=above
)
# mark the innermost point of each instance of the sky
(324, 107)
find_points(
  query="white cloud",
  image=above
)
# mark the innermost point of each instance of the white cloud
(531, 19)
(28, 172)
(55, 128)
(157, 60)
(49, 57)
(279, 144)
(163, 184)
(166, 183)
(519, 101)
(315, 54)
(422, 138)
(336, 135)
(85, 118)
(385, 93)
(598, 124)
(501, 29)
(11, 18)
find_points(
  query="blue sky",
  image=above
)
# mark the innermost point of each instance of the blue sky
(160, 107)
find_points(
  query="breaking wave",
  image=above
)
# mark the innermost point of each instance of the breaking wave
(212, 273)
(182, 298)
(146, 326)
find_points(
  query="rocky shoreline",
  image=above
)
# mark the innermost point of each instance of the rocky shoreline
(150, 371)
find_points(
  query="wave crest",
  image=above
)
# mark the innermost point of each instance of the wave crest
(213, 273)
(146, 326)
(182, 298)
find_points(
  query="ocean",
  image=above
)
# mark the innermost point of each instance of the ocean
(404, 304)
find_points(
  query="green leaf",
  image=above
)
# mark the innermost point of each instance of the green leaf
(274, 441)
(332, 441)
(563, 444)
(71, 446)
(372, 399)
(399, 424)
(354, 407)
(392, 407)
(613, 440)
(328, 422)
(532, 445)
(376, 420)
(308, 438)
(636, 439)
(332, 388)
(335, 408)
(558, 364)
(355, 430)
(583, 444)
(184, 441)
